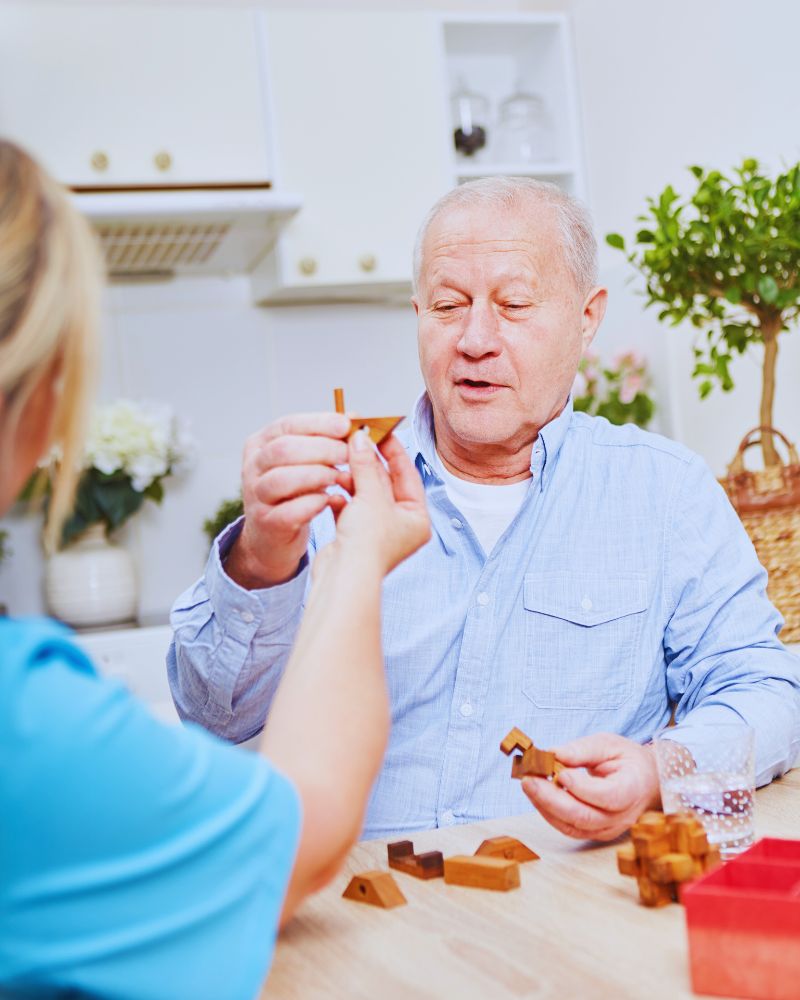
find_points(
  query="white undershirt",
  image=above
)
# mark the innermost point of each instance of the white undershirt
(488, 509)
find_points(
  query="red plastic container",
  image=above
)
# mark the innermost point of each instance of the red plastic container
(743, 921)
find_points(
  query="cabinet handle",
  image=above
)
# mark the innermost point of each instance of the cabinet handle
(163, 160)
(368, 262)
(307, 265)
(99, 160)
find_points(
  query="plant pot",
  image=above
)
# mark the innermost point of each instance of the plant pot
(92, 582)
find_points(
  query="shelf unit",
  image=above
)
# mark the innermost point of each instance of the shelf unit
(492, 54)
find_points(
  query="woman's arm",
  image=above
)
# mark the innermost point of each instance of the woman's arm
(329, 723)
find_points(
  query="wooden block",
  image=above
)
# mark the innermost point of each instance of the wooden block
(403, 859)
(338, 400)
(377, 428)
(711, 859)
(651, 823)
(506, 847)
(515, 740)
(653, 894)
(698, 843)
(542, 763)
(681, 826)
(375, 888)
(482, 873)
(672, 867)
(649, 846)
(627, 862)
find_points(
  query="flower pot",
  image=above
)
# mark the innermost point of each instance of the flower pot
(92, 581)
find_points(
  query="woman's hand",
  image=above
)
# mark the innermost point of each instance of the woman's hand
(387, 518)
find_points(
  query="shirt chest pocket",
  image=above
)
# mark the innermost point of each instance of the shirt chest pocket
(582, 634)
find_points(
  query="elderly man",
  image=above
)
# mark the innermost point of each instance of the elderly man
(582, 578)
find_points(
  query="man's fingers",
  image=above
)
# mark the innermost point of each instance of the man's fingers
(299, 450)
(288, 518)
(290, 481)
(334, 425)
(565, 808)
(609, 793)
(589, 751)
(406, 483)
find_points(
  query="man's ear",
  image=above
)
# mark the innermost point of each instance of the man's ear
(594, 309)
(415, 304)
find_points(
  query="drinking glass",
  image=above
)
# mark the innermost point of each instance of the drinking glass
(709, 770)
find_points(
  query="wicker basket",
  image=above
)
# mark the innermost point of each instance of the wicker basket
(768, 502)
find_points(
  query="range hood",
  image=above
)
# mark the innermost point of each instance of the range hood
(161, 232)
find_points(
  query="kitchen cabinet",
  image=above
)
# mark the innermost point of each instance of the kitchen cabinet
(109, 95)
(360, 131)
(363, 130)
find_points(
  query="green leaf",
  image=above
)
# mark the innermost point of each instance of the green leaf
(616, 241)
(768, 288)
(645, 236)
(733, 295)
(697, 171)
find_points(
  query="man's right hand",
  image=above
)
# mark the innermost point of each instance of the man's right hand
(285, 472)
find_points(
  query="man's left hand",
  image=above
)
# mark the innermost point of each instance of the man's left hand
(607, 783)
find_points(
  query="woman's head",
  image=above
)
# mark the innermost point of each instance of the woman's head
(49, 292)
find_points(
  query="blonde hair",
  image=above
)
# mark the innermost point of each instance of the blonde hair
(50, 279)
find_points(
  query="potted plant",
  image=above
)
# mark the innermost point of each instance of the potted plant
(130, 449)
(725, 258)
(620, 391)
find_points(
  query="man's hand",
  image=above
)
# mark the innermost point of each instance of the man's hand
(619, 783)
(286, 469)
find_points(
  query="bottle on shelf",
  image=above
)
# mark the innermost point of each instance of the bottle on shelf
(470, 112)
(524, 129)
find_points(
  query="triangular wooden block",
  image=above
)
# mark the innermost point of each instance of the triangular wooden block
(376, 888)
(506, 847)
(377, 428)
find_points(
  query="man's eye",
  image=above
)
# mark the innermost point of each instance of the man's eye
(446, 306)
(516, 305)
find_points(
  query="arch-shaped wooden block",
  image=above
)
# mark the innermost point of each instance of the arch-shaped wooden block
(506, 847)
(376, 888)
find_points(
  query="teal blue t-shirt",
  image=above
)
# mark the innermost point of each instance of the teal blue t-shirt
(137, 859)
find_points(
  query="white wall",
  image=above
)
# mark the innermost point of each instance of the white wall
(665, 85)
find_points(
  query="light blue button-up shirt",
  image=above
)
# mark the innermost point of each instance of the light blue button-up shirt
(625, 585)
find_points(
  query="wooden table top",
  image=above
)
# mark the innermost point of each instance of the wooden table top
(574, 929)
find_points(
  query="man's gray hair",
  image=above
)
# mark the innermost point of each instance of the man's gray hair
(500, 193)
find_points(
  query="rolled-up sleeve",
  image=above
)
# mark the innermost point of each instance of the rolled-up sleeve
(725, 660)
(230, 645)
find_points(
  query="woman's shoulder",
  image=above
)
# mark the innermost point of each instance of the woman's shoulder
(32, 643)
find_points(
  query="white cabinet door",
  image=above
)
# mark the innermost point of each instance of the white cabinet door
(109, 94)
(360, 130)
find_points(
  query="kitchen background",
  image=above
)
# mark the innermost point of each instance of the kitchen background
(657, 86)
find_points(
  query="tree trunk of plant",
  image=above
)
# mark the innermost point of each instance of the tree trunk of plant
(770, 328)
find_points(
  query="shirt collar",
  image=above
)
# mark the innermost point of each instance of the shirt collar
(543, 453)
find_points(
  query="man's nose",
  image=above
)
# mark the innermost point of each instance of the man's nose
(480, 333)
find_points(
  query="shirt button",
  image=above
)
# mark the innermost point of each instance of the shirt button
(247, 616)
(456, 523)
(483, 599)
(466, 709)
(586, 604)
(448, 817)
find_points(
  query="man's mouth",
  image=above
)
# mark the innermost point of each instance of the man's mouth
(476, 383)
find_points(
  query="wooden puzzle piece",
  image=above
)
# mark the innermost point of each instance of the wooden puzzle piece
(403, 859)
(515, 740)
(506, 847)
(376, 888)
(377, 428)
(663, 853)
(500, 874)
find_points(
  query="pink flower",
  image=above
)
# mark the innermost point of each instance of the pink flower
(631, 384)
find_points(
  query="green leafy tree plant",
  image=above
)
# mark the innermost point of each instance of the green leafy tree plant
(227, 512)
(726, 259)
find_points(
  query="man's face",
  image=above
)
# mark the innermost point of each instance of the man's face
(501, 326)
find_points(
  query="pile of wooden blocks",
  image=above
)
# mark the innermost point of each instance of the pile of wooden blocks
(530, 760)
(665, 851)
(495, 865)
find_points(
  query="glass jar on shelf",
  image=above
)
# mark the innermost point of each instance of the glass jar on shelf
(470, 112)
(524, 129)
